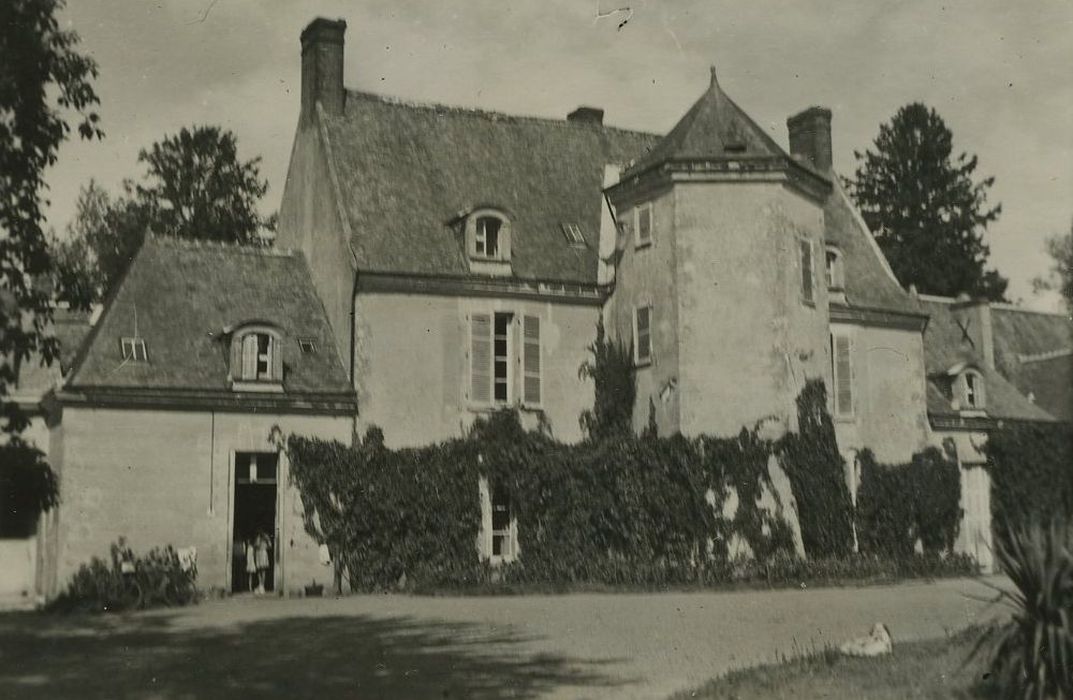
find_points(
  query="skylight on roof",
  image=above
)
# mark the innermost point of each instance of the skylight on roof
(573, 235)
(308, 346)
(133, 349)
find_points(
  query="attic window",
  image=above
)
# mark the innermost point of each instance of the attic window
(835, 276)
(573, 235)
(488, 236)
(133, 349)
(735, 147)
(972, 390)
(308, 346)
(257, 359)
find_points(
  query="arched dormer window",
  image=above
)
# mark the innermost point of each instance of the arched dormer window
(836, 280)
(256, 358)
(488, 235)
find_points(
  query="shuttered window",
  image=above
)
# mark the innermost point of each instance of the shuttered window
(642, 334)
(843, 374)
(644, 224)
(531, 363)
(480, 358)
(807, 290)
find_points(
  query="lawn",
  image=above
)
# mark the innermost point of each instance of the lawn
(929, 669)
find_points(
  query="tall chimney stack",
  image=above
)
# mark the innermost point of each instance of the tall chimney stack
(322, 67)
(810, 137)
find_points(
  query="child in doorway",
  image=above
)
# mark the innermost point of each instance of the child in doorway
(251, 562)
(262, 545)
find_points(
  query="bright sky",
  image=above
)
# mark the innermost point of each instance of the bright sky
(997, 71)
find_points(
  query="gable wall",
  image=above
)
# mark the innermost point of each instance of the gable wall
(412, 363)
(309, 220)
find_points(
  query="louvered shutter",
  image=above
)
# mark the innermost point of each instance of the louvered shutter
(249, 356)
(236, 358)
(531, 364)
(806, 270)
(480, 390)
(843, 376)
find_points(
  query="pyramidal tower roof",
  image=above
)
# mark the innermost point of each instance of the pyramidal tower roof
(714, 128)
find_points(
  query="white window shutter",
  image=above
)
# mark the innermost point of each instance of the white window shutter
(480, 358)
(275, 353)
(531, 361)
(249, 356)
(843, 376)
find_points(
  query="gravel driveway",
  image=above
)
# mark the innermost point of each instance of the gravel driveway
(394, 646)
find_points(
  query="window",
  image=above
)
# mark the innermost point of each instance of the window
(497, 347)
(642, 334)
(834, 270)
(256, 359)
(573, 235)
(644, 224)
(842, 374)
(257, 350)
(133, 349)
(808, 294)
(502, 535)
(308, 346)
(487, 237)
(972, 390)
(256, 467)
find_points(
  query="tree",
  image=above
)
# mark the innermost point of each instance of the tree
(45, 86)
(611, 370)
(1060, 248)
(927, 213)
(194, 187)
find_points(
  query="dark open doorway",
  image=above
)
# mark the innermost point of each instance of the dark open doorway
(253, 559)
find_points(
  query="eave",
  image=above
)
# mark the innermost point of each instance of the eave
(499, 287)
(878, 318)
(327, 404)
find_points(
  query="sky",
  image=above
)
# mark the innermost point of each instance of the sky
(998, 72)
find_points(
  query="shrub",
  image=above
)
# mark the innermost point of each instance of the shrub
(897, 504)
(1031, 478)
(28, 486)
(1032, 655)
(817, 475)
(129, 582)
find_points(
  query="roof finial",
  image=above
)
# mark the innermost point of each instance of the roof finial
(715, 81)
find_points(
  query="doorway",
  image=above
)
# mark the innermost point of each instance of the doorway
(253, 551)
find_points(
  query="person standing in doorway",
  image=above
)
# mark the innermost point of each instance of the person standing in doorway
(262, 547)
(251, 562)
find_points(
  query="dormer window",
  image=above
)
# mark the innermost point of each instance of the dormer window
(256, 359)
(487, 237)
(972, 390)
(133, 349)
(835, 277)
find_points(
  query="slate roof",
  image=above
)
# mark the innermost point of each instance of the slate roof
(945, 347)
(406, 170)
(70, 328)
(713, 128)
(1034, 351)
(869, 283)
(179, 296)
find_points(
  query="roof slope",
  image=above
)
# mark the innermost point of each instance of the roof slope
(869, 283)
(714, 127)
(70, 328)
(1035, 352)
(945, 347)
(407, 170)
(179, 296)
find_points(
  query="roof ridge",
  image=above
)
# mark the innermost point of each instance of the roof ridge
(1013, 307)
(491, 115)
(229, 246)
(1041, 356)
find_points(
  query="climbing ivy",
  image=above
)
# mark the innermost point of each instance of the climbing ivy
(899, 504)
(1031, 472)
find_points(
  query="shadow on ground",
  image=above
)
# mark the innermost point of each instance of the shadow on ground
(334, 656)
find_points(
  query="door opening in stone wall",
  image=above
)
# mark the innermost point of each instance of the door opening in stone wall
(253, 551)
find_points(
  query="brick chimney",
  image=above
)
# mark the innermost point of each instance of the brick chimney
(322, 66)
(810, 137)
(586, 115)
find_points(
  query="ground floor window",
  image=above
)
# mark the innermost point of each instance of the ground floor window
(502, 540)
